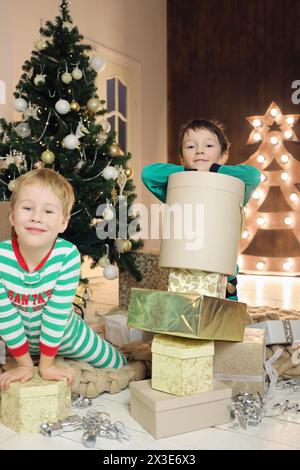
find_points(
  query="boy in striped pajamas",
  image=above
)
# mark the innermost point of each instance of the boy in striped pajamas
(39, 275)
(203, 146)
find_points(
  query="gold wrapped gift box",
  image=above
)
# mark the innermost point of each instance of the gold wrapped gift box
(187, 315)
(241, 365)
(25, 406)
(182, 366)
(195, 281)
(165, 415)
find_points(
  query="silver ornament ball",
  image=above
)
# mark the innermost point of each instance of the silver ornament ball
(71, 142)
(23, 130)
(110, 173)
(97, 63)
(110, 272)
(21, 105)
(62, 106)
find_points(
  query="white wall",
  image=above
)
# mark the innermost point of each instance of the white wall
(136, 28)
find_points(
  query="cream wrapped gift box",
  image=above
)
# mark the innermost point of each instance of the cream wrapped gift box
(189, 315)
(118, 333)
(181, 366)
(241, 365)
(195, 281)
(164, 415)
(25, 406)
(280, 331)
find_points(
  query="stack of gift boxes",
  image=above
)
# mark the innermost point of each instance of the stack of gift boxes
(202, 353)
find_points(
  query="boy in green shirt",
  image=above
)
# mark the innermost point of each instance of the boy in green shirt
(203, 146)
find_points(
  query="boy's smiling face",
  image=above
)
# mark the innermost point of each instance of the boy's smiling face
(37, 216)
(200, 149)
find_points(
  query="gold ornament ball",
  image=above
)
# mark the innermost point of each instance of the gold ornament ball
(128, 172)
(127, 245)
(75, 106)
(66, 78)
(114, 150)
(93, 105)
(48, 157)
(104, 261)
(12, 185)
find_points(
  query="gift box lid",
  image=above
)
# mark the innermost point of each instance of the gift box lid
(37, 387)
(279, 331)
(181, 348)
(161, 401)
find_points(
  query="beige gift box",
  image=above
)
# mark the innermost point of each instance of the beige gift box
(194, 281)
(241, 365)
(25, 406)
(181, 366)
(164, 415)
(199, 235)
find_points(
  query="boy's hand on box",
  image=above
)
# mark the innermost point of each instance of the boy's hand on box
(57, 373)
(20, 373)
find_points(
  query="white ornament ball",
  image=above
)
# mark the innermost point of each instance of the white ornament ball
(12, 185)
(21, 105)
(110, 272)
(62, 106)
(110, 173)
(71, 142)
(23, 130)
(97, 63)
(77, 74)
(108, 214)
(106, 127)
(93, 105)
(66, 78)
(104, 261)
(101, 138)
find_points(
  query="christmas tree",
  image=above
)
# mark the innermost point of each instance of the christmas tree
(63, 127)
(271, 240)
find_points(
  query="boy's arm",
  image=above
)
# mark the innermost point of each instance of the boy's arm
(246, 173)
(11, 327)
(58, 308)
(155, 178)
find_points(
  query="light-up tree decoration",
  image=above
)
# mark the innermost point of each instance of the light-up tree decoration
(270, 241)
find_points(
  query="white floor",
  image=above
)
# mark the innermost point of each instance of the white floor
(281, 432)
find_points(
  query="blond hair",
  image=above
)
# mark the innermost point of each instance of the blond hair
(51, 179)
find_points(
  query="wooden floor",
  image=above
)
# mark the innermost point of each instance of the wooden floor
(281, 432)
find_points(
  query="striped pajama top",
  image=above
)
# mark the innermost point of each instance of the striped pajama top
(36, 309)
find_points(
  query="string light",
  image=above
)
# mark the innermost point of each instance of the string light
(287, 265)
(260, 221)
(274, 140)
(284, 176)
(260, 265)
(290, 120)
(261, 158)
(245, 234)
(257, 194)
(288, 134)
(257, 136)
(274, 112)
(288, 220)
(294, 197)
(284, 158)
